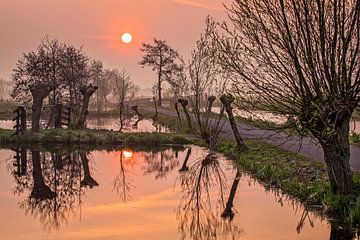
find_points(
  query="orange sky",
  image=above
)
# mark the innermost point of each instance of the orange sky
(97, 25)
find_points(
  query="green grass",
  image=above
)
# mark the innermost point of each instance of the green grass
(94, 137)
(297, 176)
(301, 178)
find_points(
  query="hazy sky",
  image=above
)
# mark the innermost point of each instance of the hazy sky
(97, 25)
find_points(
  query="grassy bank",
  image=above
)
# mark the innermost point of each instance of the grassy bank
(94, 137)
(299, 177)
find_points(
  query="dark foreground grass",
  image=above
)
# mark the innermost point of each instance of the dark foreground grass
(299, 177)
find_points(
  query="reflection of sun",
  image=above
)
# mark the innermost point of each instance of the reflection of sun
(127, 154)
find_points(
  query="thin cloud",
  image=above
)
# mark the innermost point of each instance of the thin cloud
(200, 4)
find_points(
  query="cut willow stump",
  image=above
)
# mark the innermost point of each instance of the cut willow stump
(136, 110)
(39, 93)
(87, 92)
(227, 100)
(211, 100)
(184, 104)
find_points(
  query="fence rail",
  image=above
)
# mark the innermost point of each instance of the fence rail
(52, 116)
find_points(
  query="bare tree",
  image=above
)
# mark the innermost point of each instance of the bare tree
(54, 71)
(5, 89)
(37, 75)
(124, 89)
(163, 59)
(101, 81)
(205, 77)
(302, 59)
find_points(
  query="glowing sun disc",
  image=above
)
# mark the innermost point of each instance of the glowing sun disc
(126, 38)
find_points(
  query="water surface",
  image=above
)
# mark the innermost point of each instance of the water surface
(141, 194)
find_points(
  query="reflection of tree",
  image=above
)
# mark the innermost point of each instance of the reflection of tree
(121, 183)
(160, 163)
(228, 213)
(53, 182)
(197, 219)
(88, 180)
(40, 190)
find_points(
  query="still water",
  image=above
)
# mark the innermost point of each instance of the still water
(158, 193)
(270, 117)
(112, 123)
(131, 125)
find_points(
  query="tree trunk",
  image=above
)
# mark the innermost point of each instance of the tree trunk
(121, 113)
(184, 103)
(211, 101)
(159, 87)
(337, 155)
(177, 112)
(87, 92)
(38, 95)
(40, 190)
(227, 99)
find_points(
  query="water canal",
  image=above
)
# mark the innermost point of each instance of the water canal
(136, 193)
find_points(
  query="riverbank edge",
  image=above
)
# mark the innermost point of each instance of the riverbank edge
(299, 177)
(91, 137)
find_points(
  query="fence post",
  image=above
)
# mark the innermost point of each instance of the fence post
(16, 119)
(58, 117)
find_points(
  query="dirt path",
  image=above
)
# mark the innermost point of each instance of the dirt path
(306, 146)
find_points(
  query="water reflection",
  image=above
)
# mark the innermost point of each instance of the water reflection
(186, 193)
(199, 205)
(53, 184)
(122, 183)
(134, 124)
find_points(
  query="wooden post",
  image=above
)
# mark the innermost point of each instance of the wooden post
(16, 119)
(58, 117)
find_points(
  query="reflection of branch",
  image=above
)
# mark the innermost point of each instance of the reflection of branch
(305, 215)
(195, 212)
(161, 163)
(120, 184)
(56, 191)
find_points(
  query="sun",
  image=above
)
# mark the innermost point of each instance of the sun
(126, 38)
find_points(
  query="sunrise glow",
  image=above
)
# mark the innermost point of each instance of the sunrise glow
(126, 38)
